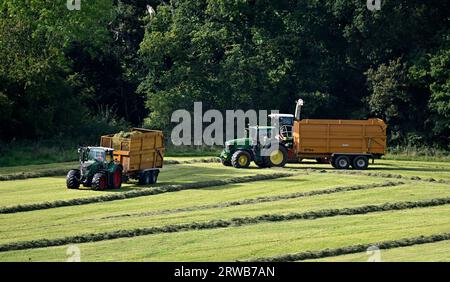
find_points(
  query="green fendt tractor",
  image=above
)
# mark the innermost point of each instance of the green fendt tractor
(239, 153)
(97, 170)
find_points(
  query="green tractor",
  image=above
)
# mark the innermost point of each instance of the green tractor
(239, 153)
(97, 170)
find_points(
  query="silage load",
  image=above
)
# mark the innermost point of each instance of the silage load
(118, 138)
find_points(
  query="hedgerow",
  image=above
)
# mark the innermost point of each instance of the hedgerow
(140, 193)
(94, 237)
(405, 242)
(264, 199)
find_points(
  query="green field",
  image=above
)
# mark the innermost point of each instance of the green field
(219, 213)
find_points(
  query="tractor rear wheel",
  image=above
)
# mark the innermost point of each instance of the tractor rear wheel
(278, 157)
(117, 178)
(99, 181)
(73, 179)
(241, 159)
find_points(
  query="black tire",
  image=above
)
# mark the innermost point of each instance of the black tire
(154, 177)
(148, 177)
(73, 179)
(360, 162)
(263, 163)
(342, 162)
(100, 181)
(284, 154)
(241, 159)
(225, 162)
(333, 162)
(116, 178)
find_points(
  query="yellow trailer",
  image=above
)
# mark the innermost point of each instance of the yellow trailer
(344, 143)
(140, 152)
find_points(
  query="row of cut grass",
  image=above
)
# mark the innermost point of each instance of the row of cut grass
(370, 248)
(253, 241)
(90, 218)
(213, 224)
(265, 199)
(30, 191)
(431, 252)
(354, 202)
(435, 170)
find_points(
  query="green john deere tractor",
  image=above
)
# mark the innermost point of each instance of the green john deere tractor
(260, 147)
(97, 170)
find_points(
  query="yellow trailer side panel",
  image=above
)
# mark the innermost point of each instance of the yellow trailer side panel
(324, 137)
(142, 150)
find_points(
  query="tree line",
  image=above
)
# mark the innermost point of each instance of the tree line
(113, 64)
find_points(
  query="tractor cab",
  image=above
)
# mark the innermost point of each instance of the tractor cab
(96, 154)
(285, 123)
(261, 135)
(97, 169)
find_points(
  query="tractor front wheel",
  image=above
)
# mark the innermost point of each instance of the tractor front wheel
(241, 159)
(100, 181)
(73, 179)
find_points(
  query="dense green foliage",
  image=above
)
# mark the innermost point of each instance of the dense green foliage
(82, 73)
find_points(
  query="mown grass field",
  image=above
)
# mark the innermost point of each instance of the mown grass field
(203, 211)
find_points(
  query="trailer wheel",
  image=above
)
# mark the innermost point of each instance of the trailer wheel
(117, 178)
(333, 162)
(73, 179)
(100, 181)
(342, 162)
(154, 178)
(148, 177)
(144, 178)
(360, 162)
(241, 159)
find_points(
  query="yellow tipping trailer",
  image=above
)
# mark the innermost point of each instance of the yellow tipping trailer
(344, 142)
(140, 151)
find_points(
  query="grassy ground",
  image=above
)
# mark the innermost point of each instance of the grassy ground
(431, 252)
(312, 188)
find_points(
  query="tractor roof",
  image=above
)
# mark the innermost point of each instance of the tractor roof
(281, 115)
(101, 148)
(262, 127)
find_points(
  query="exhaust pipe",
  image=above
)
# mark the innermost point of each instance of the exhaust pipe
(298, 109)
